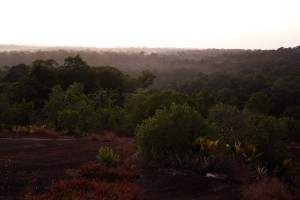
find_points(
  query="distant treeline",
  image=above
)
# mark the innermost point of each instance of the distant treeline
(169, 65)
(267, 78)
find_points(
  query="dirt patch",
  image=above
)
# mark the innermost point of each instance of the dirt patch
(35, 162)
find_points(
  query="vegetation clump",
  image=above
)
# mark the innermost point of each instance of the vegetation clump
(168, 135)
(107, 157)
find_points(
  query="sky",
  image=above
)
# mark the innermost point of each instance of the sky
(229, 24)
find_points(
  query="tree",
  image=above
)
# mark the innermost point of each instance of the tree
(142, 105)
(228, 122)
(108, 77)
(76, 70)
(258, 102)
(15, 73)
(280, 97)
(201, 102)
(44, 72)
(55, 104)
(74, 62)
(146, 79)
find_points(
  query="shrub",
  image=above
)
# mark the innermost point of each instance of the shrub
(264, 132)
(68, 120)
(169, 134)
(107, 157)
(267, 133)
(267, 190)
(228, 122)
(293, 127)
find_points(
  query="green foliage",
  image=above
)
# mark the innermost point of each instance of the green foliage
(258, 102)
(69, 120)
(228, 123)
(168, 135)
(74, 110)
(107, 157)
(292, 112)
(264, 132)
(205, 147)
(142, 105)
(201, 101)
(146, 79)
(15, 73)
(267, 134)
(107, 77)
(293, 128)
(21, 113)
(44, 72)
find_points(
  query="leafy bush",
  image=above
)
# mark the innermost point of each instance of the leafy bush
(69, 120)
(228, 123)
(142, 105)
(267, 133)
(107, 157)
(264, 132)
(21, 113)
(169, 134)
(293, 127)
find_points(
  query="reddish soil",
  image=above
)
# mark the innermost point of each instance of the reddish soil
(33, 162)
(29, 163)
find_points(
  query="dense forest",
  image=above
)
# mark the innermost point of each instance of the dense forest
(237, 97)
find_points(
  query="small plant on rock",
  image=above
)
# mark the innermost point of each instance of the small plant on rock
(261, 172)
(107, 157)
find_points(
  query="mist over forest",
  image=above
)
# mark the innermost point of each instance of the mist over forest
(170, 65)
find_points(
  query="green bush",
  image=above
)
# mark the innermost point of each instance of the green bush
(69, 120)
(228, 123)
(267, 133)
(293, 128)
(168, 135)
(264, 132)
(107, 157)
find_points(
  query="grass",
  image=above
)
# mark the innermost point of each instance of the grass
(83, 189)
(95, 181)
(95, 171)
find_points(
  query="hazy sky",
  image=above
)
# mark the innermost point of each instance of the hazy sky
(248, 24)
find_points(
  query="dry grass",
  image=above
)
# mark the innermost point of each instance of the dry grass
(95, 171)
(46, 131)
(267, 190)
(95, 182)
(103, 136)
(82, 189)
